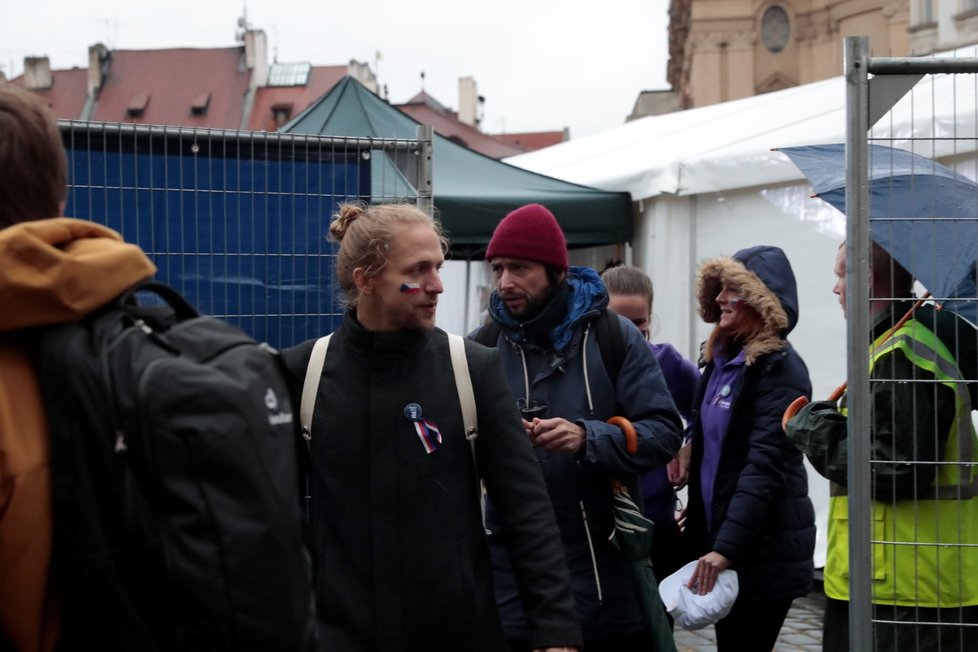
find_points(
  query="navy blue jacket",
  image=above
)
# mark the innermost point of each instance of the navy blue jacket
(554, 367)
(763, 520)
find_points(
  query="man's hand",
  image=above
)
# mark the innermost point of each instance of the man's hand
(704, 578)
(678, 467)
(557, 435)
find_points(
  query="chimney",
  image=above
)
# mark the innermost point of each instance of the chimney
(363, 74)
(37, 74)
(98, 68)
(256, 57)
(468, 101)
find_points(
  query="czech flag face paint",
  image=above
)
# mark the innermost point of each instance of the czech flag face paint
(411, 288)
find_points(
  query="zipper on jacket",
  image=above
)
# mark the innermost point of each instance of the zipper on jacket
(526, 377)
(587, 380)
(590, 547)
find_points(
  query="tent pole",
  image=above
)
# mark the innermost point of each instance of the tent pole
(468, 292)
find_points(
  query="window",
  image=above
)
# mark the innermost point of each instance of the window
(281, 113)
(200, 103)
(775, 29)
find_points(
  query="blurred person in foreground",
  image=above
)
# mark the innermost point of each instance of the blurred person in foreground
(52, 270)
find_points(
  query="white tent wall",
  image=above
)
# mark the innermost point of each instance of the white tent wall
(451, 316)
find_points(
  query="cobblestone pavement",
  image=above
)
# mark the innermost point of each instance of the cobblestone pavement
(802, 630)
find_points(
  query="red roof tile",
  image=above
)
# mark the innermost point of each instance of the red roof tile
(450, 127)
(173, 80)
(321, 79)
(532, 140)
(67, 94)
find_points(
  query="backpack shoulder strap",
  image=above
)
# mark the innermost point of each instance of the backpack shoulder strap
(607, 328)
(487, 335)
(466, 397)
(310, 386)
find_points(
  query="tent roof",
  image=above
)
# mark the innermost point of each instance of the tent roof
(728, 146)
(472, 192)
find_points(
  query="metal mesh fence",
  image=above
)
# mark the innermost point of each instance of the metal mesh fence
(909, 512)
(237, 221)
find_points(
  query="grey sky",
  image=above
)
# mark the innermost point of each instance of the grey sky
(540, 64)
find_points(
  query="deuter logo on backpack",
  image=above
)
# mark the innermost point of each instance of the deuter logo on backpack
(276, 417)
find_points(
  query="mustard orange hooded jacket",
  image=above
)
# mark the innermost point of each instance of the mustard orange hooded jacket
(51, 271)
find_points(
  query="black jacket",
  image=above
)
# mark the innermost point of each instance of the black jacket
(402, 559)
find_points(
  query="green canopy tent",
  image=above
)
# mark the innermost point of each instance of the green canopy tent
(471, 192)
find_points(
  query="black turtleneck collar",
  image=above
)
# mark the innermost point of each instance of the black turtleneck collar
(383, 344)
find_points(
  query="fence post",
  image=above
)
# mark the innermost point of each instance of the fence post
(425, 180)
(857, 336)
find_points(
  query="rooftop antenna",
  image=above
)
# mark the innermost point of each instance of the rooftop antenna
(243, 25)
(422, 81)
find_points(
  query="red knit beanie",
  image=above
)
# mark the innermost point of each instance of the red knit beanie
(530, 232)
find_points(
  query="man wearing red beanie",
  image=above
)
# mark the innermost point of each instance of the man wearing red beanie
(551, 326)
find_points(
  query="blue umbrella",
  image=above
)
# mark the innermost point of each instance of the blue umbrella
(921, 212)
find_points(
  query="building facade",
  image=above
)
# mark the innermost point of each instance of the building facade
(722, 50)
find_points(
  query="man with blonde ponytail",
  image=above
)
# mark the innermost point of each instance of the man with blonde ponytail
(402, 561)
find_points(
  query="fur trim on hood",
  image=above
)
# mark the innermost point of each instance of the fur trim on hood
(748, 270)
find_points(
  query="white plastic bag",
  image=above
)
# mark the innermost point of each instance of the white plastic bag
(691, 610)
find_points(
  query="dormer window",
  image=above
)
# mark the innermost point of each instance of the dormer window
(281, 113)
(200, 104)
(137, 105)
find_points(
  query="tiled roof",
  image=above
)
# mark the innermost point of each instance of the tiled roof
(320, 80)
(428, 100)
(447, 125)
(532, 140)
(66, 97)
(171, 82)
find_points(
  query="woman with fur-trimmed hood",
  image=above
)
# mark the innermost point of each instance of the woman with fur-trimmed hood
(748, 490)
